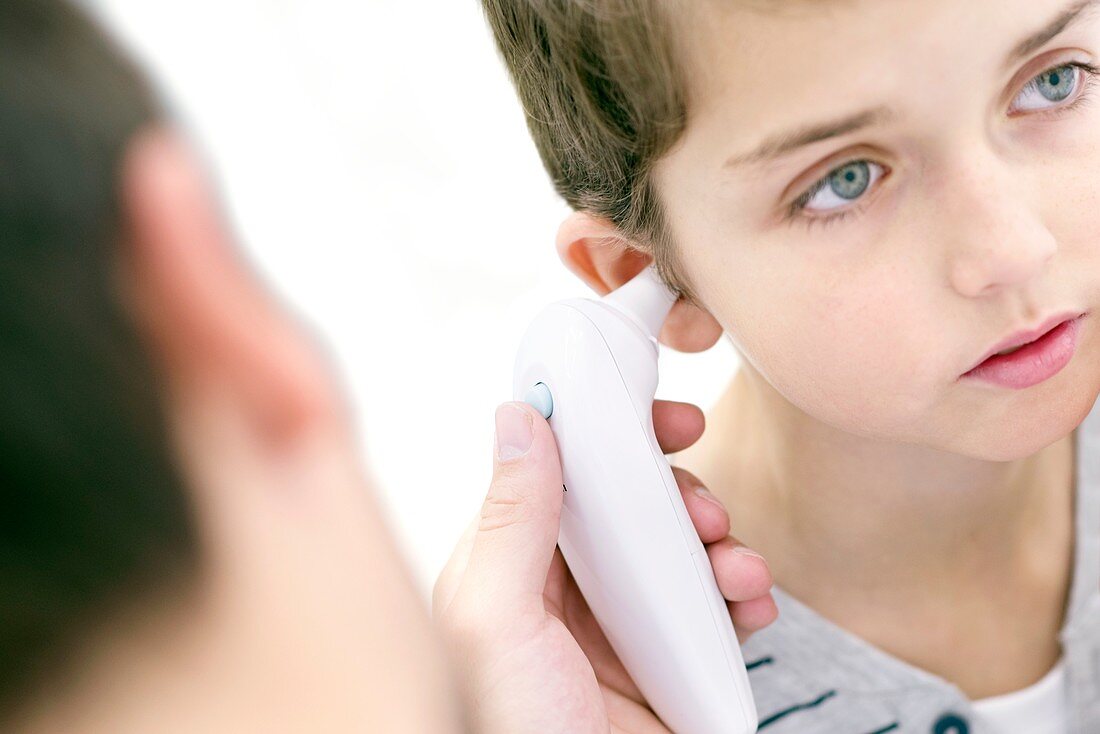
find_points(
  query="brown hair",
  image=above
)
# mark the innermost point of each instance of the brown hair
(604, 99)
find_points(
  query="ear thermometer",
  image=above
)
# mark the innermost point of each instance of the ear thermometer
(590, 367)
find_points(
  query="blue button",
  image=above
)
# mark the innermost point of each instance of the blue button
(951, 723)
(539, 398)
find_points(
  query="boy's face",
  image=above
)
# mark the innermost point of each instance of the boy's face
(971, 210)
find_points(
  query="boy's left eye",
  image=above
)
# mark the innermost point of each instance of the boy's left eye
(1050, 88)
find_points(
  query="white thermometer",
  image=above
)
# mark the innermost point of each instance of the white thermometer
(590, 367)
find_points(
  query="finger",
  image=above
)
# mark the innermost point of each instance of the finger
(446, 584)
(519, 520)
(677, 425)
(741, 575)
(709, 517)
(558, 579)
(752, 616)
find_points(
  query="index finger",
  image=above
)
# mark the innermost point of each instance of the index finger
(677, 425)
(446, 583)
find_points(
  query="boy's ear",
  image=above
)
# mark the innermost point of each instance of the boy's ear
(596, 252)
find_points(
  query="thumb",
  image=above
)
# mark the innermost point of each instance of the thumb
(518, 524)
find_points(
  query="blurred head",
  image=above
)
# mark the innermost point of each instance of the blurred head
(188, 539)
(864, 196)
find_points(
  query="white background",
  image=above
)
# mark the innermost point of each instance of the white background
(375, 164)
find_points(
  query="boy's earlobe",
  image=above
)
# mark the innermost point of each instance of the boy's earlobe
(689, 328)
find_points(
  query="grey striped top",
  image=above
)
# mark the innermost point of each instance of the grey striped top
(810, 676)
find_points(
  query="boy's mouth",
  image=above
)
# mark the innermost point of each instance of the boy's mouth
(1031, 355)
(1022, 337)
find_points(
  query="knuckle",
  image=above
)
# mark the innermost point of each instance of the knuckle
(505, 506)
(742, 550)
(685, 478)
(719, 551)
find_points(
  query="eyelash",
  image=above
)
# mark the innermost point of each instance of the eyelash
(794, 212)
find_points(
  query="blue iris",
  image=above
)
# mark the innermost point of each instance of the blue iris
(850, 180)
(1056, 84)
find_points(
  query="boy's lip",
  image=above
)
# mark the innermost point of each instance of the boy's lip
(1030, 334)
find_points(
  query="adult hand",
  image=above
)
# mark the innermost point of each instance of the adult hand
(525, 646)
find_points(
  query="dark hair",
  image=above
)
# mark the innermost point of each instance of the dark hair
(92, 510)
(603, 87)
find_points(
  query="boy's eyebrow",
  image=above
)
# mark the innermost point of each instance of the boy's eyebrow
(777, 145)
(1052, 29)
(784, 142)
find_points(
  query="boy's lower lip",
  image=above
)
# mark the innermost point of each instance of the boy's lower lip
(1031, 363)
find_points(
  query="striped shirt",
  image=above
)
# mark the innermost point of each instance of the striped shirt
(810, 676)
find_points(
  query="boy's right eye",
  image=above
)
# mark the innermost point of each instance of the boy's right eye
(842, 185)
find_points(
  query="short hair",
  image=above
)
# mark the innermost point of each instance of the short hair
(92, 508)
(603, 89)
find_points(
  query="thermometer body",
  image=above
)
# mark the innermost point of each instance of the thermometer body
(625, 533)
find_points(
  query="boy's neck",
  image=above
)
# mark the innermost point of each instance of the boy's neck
(922, 534)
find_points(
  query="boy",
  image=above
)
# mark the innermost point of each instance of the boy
(931, 517)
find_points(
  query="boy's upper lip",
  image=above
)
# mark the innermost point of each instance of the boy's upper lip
(1030, 334)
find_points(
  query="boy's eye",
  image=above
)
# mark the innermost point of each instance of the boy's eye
(1052, 86)
(840, 186)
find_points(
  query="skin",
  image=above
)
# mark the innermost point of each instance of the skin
(925, 513)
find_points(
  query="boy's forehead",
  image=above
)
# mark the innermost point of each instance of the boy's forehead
(753, 68)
